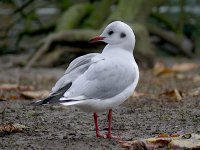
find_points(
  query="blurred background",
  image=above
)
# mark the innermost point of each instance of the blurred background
(50, 33)
(39, 38)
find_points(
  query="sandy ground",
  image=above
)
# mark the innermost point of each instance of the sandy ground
(58, 127)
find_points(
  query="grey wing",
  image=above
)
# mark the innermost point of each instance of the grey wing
(75, 69)
(80, 61)
(102, 80)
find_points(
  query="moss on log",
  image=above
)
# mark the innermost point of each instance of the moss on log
(67, 36)
(143, 45)
(184, 45)
(133, 12)
(72, 17)
(99, 15)
(126, 11)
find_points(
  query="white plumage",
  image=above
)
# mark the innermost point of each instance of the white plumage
(100, 81)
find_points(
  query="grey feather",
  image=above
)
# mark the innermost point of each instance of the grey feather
(53, 98)
(103, 80)
(80, 61)
(76, 68)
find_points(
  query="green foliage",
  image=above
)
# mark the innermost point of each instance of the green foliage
(97, 17)
(163, 20)
(64, 4)
(73, 16)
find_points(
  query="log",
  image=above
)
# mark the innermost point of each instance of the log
(142, 47)
(97, 17)
(72, 17)
(125, 10)
(67, 36)
(181, 42)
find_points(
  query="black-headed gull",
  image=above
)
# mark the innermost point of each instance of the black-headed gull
(100, 81)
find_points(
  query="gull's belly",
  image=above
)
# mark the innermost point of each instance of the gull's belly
(98, 105)
(102, 105)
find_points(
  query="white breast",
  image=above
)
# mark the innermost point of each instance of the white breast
(97, 105)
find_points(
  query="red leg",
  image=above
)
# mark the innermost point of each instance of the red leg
(109, 123)
(96, 126)
(109, 127)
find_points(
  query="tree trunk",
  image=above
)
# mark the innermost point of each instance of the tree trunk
(72, 17)
(134, 12)
(97, 17)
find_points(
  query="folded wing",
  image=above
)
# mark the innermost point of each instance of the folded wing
(76, 68)
(103, 80)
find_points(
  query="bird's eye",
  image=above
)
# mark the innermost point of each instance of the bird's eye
(110, 32)
(122, 35)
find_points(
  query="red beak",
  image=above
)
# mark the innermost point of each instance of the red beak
(96, 39)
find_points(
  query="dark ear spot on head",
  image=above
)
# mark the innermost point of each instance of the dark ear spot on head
(110, 32)
(122, 35)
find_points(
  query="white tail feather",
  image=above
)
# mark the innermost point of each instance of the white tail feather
(71, 103)
(77, 100)
(74, 98)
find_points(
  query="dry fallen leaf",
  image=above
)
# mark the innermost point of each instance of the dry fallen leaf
(35, 94)
(181, 76)
(191, 77)
(163, 135)
(10, 97)
(137, 94)
(196, 78)
(185, 67)
(162, 69)
(16, 87)
(194, 92)
(11, 128)
(21, 92)
(175, 94)
(165, 141)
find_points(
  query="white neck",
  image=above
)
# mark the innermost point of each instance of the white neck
(127, 47)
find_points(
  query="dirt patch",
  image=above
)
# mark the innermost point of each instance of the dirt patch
(59, 127)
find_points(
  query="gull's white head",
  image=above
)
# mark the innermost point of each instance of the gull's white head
(117, 34)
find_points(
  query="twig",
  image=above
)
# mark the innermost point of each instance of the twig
(20, 9)
(68, 36)
(184, 45)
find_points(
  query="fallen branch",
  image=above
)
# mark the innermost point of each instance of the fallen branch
(68, 36)
(182, 43)
(8, 87)
(23, 6)
(83, 35)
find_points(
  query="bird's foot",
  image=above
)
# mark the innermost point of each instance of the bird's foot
(101, 135)
(118, 138)
(109, 136)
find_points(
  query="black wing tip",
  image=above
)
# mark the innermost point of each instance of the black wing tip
(37, 103)
(69, 100)
(48, 100)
